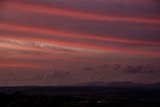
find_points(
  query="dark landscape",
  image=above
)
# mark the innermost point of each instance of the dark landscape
(125, 94)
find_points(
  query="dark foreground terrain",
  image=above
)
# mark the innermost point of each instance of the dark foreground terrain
(79, 97)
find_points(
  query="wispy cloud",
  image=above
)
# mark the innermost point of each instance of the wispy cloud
(78, 14)
(80, 37)
(140, 69)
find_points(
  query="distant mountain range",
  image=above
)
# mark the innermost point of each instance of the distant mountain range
(117, 84)
(81, 88)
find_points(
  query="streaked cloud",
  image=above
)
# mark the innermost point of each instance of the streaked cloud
(85, 40)
(78, 14)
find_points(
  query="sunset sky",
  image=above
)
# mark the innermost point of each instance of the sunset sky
(57, 42)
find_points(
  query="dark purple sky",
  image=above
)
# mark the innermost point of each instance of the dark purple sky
(55, 42)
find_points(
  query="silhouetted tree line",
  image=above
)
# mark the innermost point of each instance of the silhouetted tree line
(21, 100)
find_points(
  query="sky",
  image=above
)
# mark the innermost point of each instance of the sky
(58, 42)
